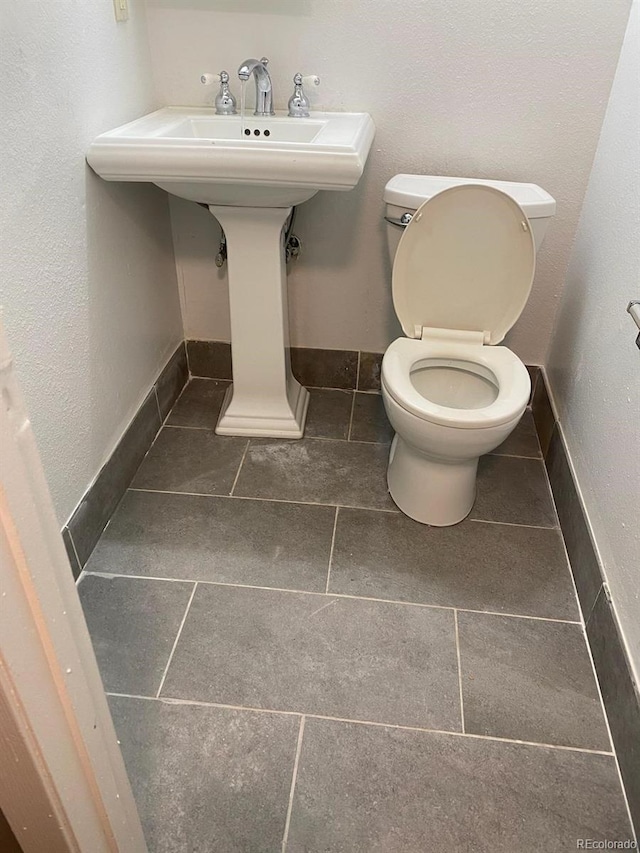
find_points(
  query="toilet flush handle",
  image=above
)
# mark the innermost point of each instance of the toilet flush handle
(402, 221)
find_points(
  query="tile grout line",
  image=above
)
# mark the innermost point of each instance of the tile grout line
(455, 619)
(184, 426)
(155, 394)
(547, 480)
(306, 385)
(395, 512)
(267, 500)
(515, 456)
(175, 643)
(347, 440)
(169, 700)
(181, 394)
(357, 385)
(353, 408)
(235, 481)
(347, 597)
(508, 523)
(333, 542)
(294, 778)
(73, 545)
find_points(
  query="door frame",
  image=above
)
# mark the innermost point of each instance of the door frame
(63, 785)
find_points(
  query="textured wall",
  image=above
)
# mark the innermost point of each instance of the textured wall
(496, 88)
(594, 365)
(87, 279)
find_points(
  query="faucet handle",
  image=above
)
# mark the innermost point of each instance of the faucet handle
(225, 103)
(311, 80)
(299, 102)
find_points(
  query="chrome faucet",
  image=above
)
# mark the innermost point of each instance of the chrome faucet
(264, 89)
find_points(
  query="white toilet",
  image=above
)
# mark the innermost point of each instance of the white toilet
(463, 255)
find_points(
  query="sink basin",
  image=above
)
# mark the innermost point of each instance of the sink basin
(273, 130)
(269, 162)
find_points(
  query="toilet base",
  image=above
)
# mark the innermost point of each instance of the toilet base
(430, 491)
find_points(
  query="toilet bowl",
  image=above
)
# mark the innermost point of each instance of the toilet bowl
(462, 275)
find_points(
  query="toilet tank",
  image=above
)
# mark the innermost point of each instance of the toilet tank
(404, 194)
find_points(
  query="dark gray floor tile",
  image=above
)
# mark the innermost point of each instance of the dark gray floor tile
(76, 568)
(529, 680)
(513, 491)
(575, 530)
(325, 368)
(97, 506)
(172, 380)
(133, 625)
(369, 371)
(210, 358)
(191, 460)
(472, 565)
(365, 789)
(523, 441)
(543, 413)
(370, 422)
(620, 695)
(218, 539)
(331, 472)
(329, 413)
(200, 404)
(210, 780)
(338, 657)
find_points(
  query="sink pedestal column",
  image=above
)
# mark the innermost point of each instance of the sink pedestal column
(265, 398)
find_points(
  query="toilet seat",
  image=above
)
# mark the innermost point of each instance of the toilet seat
(465, 262)
(512, 380)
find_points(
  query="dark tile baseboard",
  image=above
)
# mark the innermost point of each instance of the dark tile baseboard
(90, 517)
(348, 370)
(620, 695)
(314, 368)
(613, 668)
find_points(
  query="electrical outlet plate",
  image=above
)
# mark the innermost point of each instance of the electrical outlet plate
(121, 8)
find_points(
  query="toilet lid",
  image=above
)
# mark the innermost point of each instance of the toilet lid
(465, 262)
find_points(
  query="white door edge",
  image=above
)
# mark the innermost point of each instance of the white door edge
(63, 785)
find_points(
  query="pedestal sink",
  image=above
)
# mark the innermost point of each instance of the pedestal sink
(250, 174)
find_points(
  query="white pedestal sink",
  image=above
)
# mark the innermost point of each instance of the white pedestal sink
(250, 176)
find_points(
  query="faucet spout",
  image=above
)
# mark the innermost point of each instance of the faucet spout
(264, 89)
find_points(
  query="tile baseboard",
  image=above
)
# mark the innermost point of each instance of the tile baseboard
(613, 667)
(85, 526)
(313, 368)
(348, 370)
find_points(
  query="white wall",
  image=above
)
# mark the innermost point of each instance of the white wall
(87, 278)
(498, 88)
(594, 365)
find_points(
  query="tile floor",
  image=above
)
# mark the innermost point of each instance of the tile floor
(293, 665)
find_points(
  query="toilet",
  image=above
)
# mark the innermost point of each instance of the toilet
(463, 253)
